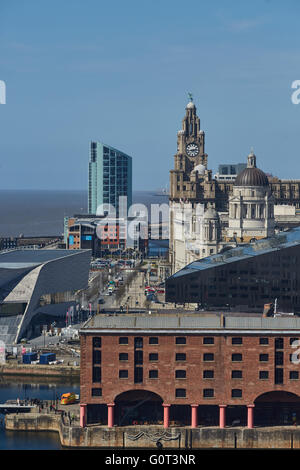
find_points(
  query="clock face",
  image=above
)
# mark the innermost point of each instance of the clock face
(192, 149)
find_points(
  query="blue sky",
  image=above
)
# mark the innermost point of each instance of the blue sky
(119, 72)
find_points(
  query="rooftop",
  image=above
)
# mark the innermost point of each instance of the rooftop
(280, 241)
(29, 258)
(190, 323)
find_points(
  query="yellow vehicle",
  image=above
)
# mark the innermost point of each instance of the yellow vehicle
(68, 398)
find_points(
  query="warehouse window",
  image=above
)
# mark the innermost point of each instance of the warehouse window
(180, 340)
(123, 374)
(180, 374)
(236, 357)
(263, 341)
(123, 340)
(208, 374)
(236, 393)
(153, 374)
(294, 375)
(236, 374)
(264, 357)
(96, 392)
(180, 357)
(96, 374)
(153, 357)
(96, 356)
(208, 340)
(237, 341)
(208, 357)
(153, 340)
(180, 393)
(96, 342)
(208, 393)
(263, 374)
(123, 357)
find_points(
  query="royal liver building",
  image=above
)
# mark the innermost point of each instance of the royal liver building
(208, 215)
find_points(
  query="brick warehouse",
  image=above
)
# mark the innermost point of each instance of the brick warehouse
(189, 369)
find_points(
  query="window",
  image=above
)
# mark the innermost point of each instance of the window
(236, 374)
(96, 374)
(180, 374)
(180, 393)
(263, 341)
(208, 357)
(123, 340)
(278, 358)
(264, 357)
(208, 374)
(138, 375)
(208, 393)
(138, 357)
(278, 343)
(263, 374)
(278, 376)
(123, 357)
(180, 340)
(96, 342)
(153, 340)
(237, 341)
(236, 393)
(138, 343)
(153, 357)
(96, 356)
(236, 357)
(96, 392)
(153, 374)
(294, 375)
(123, 374)
(180, 357)
(208, 340)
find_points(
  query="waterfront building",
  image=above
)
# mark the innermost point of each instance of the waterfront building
(189, 369)
(105, 234)
(37, 285)
(110, 177)
(245, 277)
(192, 185)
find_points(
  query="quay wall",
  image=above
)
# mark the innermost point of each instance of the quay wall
(40, 370)
(148, 436)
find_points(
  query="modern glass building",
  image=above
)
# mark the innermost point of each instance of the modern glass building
(110, 176)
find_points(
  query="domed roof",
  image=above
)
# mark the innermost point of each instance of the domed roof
(251, 176)
(200, 168)
(210, 213)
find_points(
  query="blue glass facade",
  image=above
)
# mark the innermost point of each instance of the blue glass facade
(110, 176)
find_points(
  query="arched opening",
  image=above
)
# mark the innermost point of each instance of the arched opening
(277, 408)
(138, 407)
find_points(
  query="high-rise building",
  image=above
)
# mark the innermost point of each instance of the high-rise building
(110, 177)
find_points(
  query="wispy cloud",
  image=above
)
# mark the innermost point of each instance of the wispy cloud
(245, 25)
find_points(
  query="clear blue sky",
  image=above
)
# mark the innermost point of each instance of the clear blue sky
(119, 72)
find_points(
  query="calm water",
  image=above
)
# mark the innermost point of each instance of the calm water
(29, 388)
(38, 213)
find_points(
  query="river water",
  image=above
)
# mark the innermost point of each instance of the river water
(43, 389)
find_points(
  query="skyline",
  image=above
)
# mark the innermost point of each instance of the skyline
(121, 74)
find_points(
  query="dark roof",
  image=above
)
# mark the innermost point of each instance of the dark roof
(251, 177)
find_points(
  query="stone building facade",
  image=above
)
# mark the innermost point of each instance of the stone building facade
(192, 184)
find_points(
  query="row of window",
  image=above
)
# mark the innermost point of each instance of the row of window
(181, 392)
(182, 340)
(181, 357)
(209, 374)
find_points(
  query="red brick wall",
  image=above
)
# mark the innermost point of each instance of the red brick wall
(165, 385)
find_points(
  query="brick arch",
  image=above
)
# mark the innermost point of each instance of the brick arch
(138, 394)
(277, 396)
